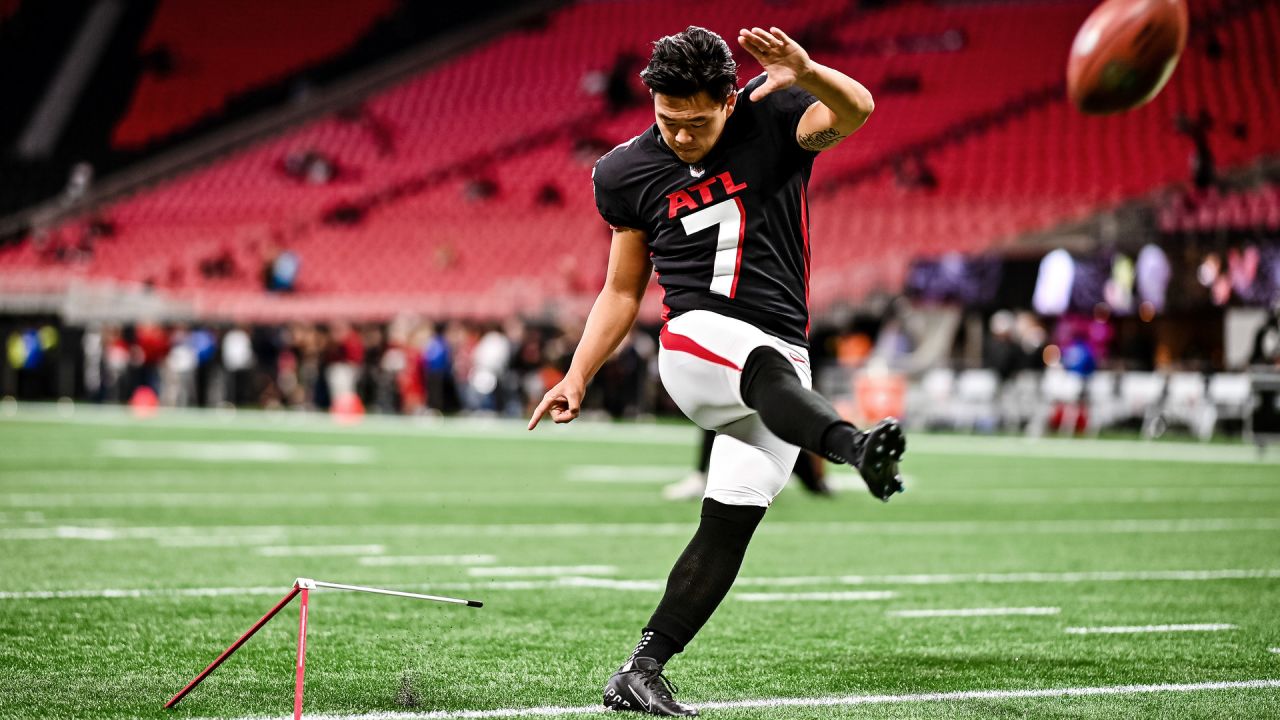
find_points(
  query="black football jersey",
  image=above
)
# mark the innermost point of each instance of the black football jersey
(729, 234)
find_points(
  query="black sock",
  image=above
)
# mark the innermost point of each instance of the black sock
(839, 441)
(656, 645)
(801, 417)
(703, 574)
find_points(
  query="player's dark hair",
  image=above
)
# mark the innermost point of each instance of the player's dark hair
(684, 64)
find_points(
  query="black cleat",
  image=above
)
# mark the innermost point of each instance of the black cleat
(876, 453)
(640, 686)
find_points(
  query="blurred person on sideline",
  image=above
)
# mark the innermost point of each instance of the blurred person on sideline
(489, 359)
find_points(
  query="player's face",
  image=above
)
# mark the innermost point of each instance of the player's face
(691, 126)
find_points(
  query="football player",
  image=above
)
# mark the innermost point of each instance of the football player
(712, 197)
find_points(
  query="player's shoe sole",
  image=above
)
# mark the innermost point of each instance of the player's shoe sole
(882, 448)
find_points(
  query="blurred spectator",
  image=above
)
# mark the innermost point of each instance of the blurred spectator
(378, 130)
(1201, 160)
(620, 91)
(913, 173)
(406, 338)
(437, 365)
(79, 180)
(1078, 356)
(221, 264)
(178, 372)
(152, 343)
(238, 361)
(1001, 352)
(489, 360)
(480, 189)
(345, 360)
(549, 195)
(617, 85)
(280, 272)
(311, 167)
(1032, 339)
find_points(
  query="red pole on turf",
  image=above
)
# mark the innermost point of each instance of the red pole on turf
(236, 646)
(302, 657)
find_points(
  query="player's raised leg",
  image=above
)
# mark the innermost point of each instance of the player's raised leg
(804, 418)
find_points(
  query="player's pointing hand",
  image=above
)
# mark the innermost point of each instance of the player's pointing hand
(781, 57)
(563, 401)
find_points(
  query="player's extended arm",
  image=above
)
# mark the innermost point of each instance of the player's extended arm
(608, 323)
(843, 103)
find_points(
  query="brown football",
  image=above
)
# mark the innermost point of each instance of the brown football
(1124, 53)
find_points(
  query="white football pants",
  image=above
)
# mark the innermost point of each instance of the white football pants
(700, 361)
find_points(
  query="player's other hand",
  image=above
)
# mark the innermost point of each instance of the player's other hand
(563, 402)
(781, 57)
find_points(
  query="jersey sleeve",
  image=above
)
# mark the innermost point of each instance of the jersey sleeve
(784, 108)
(613, 207)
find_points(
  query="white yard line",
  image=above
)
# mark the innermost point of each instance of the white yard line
(542, 571)
(319, 550)
(1274, 650)
(839, 596)
(829, 701)
(656, 584)
(233, 452)
(429, 560)
(611, 584)
(1130, 629)
(1020, 577)
(642, 474)
(913, 528)
(216, 541)
(974, 612)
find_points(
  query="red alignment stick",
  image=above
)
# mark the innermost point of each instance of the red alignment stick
(302, 656)
(236, 646)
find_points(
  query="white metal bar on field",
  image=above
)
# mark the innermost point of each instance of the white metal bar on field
(307, 582)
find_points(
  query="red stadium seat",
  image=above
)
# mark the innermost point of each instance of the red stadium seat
(1009, 154)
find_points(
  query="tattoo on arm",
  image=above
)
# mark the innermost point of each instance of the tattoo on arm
(820, 140)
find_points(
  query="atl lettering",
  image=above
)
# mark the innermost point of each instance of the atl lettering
(684, 199)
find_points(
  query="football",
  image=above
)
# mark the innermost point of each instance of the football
(1124, 53)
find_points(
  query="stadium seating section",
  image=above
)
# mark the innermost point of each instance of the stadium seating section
(217, 50)
(440, 182)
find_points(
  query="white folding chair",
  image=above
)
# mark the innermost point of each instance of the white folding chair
(937, 388)
(1103, 402)
(976, 392)
(1140, 395)
(1186, 403)
(1231, 398)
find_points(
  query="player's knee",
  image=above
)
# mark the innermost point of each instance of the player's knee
(765, 370)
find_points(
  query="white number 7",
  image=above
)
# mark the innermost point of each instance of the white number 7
(732, 219)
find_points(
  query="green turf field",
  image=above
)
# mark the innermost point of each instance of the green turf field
(133, 552)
